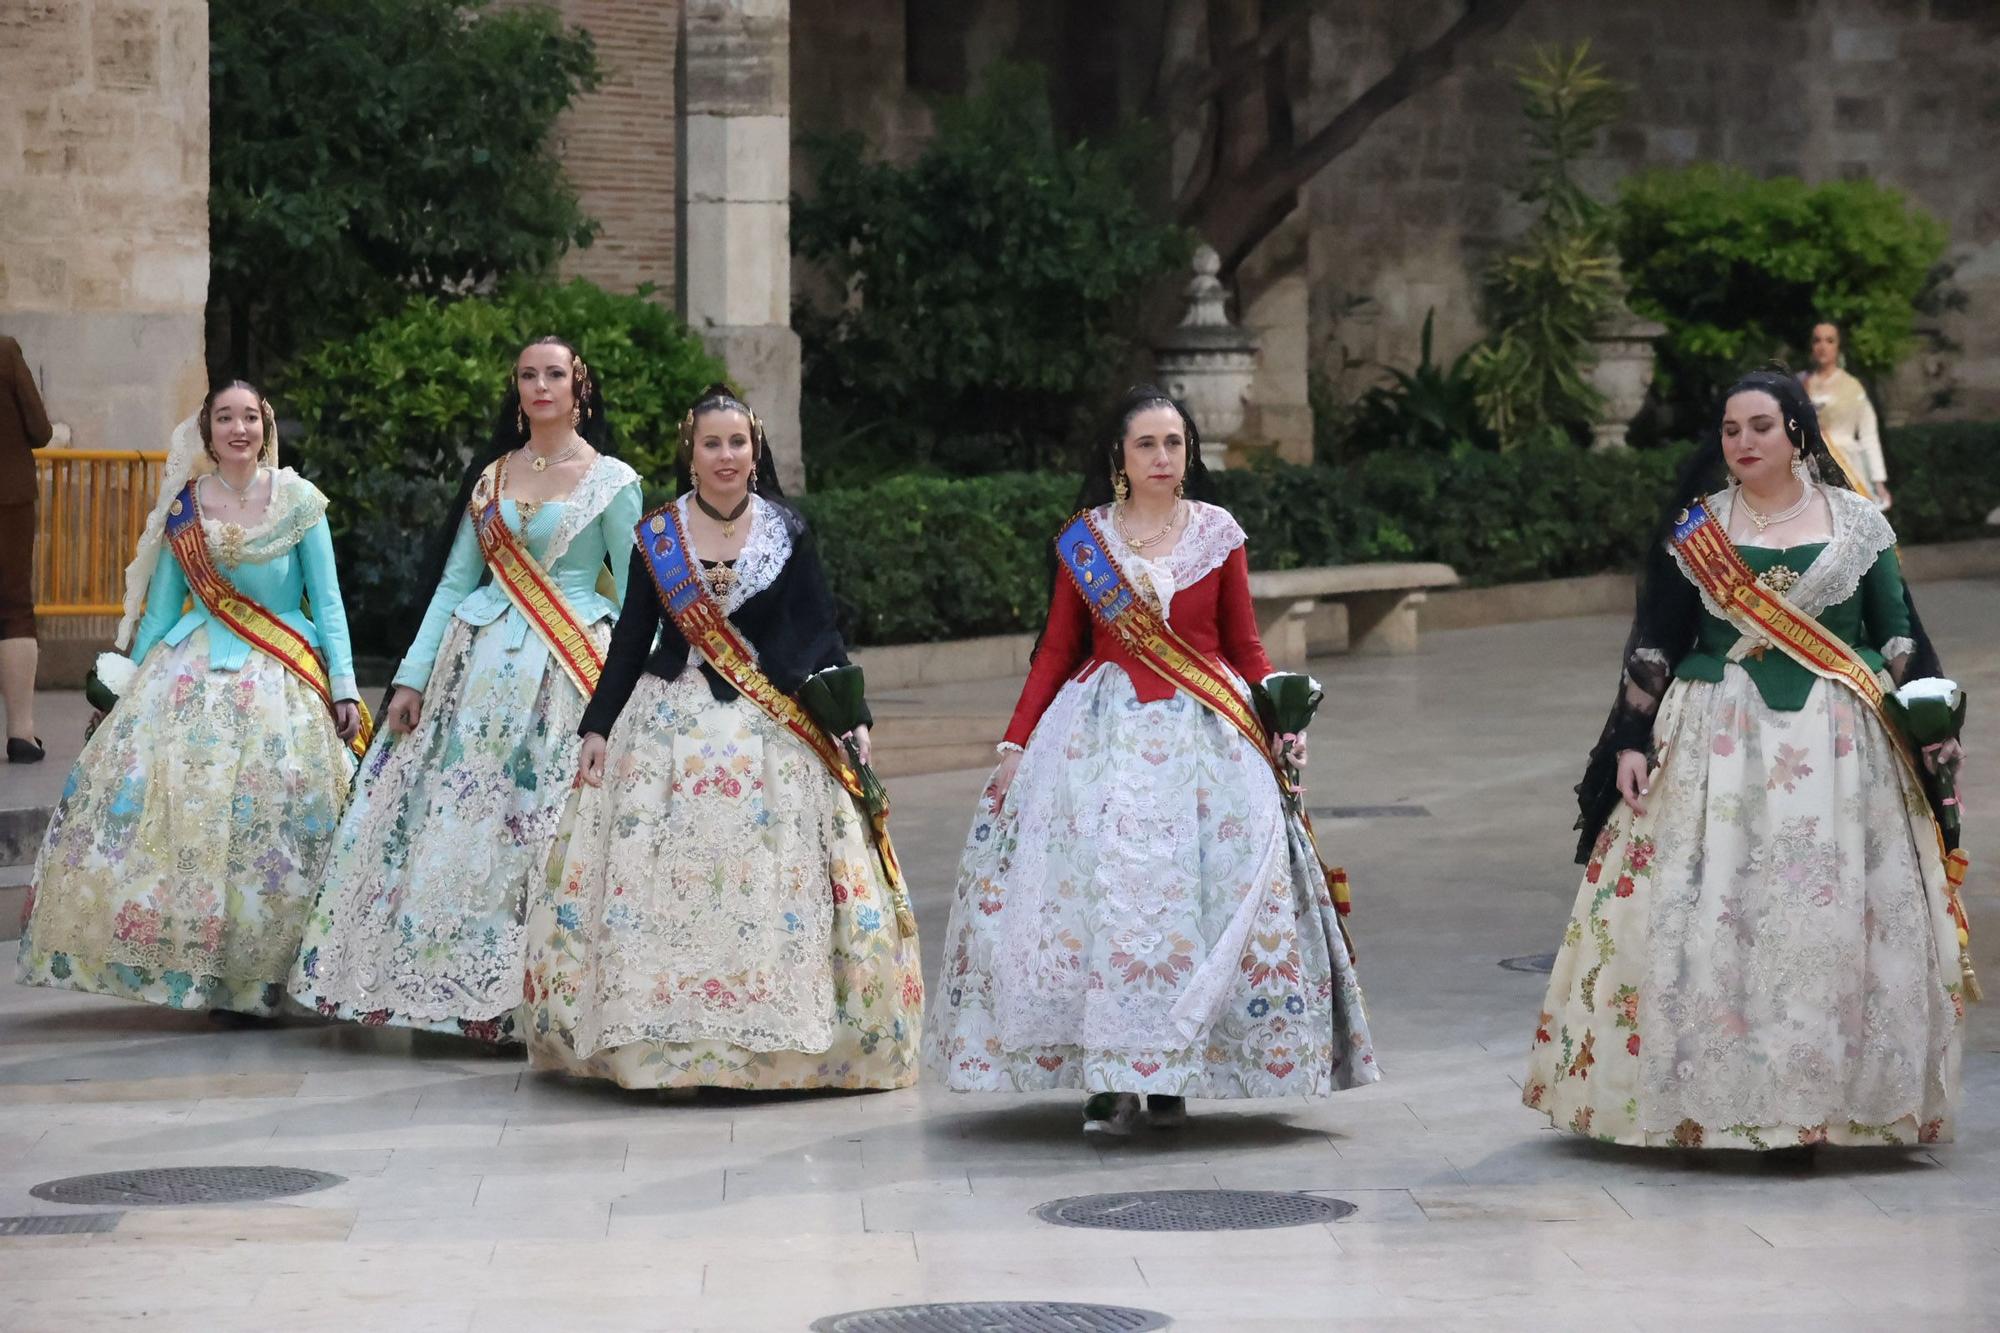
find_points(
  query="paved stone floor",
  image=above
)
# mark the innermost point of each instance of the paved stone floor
(481, 1197)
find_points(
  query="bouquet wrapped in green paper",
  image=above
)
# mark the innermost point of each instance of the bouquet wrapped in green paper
(1931, 714)
(1286, 702)
(835, 697)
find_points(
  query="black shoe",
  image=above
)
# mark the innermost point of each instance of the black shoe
(24, 752)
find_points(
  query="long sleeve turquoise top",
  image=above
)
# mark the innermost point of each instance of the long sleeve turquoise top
(571, 539)
(283, 564)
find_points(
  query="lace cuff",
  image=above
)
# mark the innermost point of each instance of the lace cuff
(1898, 647)
(1009, 747)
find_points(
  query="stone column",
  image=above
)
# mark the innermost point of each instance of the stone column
(736, 130)
(104, 210)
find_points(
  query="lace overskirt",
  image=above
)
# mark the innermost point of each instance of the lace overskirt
(189, 838)
(420, 920)
(1143, 916)
(719, 918)
(1765, 957)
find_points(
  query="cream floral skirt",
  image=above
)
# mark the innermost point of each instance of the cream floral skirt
(1765, 958)
(189, 838)
(720, 919)
(420, 920)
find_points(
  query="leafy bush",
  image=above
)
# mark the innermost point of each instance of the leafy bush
(389, 418)
(980, 294)
(374, 149)
(922, 558)
(927, 558)
(1945, 479)
(1547, 297)
(1426, 410)
(1740, 269)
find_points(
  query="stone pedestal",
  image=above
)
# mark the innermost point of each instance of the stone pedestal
(1623, 373)
(736, 284)
(1207, 362)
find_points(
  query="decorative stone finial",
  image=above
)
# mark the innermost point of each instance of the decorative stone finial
(1206, 361)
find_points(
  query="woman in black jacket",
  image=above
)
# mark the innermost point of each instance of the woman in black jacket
(721, 918)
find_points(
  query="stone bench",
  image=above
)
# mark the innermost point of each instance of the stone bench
(1334, 609)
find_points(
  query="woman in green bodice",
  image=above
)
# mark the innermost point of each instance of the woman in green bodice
(1763, 953)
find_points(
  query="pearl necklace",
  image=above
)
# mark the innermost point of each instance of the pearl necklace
(256, 475)
(1790, 512)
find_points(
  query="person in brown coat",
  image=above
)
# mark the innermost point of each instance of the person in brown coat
(24, 427)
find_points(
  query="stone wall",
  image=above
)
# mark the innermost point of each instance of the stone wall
(1900, 91)
(104, 209)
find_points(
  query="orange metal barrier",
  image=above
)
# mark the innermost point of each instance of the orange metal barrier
(92, 506)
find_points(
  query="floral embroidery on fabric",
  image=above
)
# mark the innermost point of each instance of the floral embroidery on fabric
(716, 919)
(188, 841)
(1772, 962)
(1142, 916)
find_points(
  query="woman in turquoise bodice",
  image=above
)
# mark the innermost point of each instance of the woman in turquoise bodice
(1763, 953)
(191, 833)
(455, 812)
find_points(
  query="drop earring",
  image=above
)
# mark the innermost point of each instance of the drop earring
(521, 419)
(1180, 489)
(1121, 487)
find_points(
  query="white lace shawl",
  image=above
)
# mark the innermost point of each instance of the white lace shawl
(1211, 534)
(586, 500)
(765, 551)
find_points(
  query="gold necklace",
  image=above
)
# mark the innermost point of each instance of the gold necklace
(542, 464)
(1141, 543)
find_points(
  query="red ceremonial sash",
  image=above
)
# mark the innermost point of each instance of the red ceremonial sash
(528, 586)
(1766, 616)
(1147, 635)
(685, 596)
(247, 618)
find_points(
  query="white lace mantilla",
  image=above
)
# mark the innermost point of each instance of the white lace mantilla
(607, 477)
(1860, 535)
(765, 550)
(296, 506)
(1211, 534)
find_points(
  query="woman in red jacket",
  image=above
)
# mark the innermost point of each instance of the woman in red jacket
(1138, 911)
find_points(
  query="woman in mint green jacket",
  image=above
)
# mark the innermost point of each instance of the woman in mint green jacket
(191, 834)
(419, 921)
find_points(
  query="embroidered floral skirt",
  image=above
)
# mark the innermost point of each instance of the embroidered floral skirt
(720, 919)
(420, 920)
(1143, 916)
(1765, 957)
(189, 838)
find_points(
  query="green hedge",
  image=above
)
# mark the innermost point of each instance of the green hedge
(923, 558)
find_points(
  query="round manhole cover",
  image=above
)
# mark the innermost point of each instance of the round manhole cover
(994, 1317)
(167, 1186)
(1530, 962)
(1194, 1210)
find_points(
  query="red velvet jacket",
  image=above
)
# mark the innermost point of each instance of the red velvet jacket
(1212, 614)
